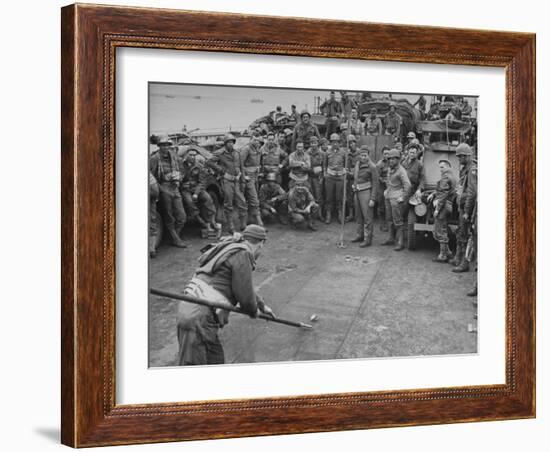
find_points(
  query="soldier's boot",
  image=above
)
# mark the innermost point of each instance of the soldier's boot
(311, 224)
(442, 256)
(464, 266)
(176, 239)
(391, 236)
(360, 234)
(258, 219)
(328, 217)
(320, 213)
(243, 219)
(448, 252)
(473, 292)
(152, 247)
(400, 239)
(459, 254)
(367, 241)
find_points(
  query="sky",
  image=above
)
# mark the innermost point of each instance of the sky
(214, 109)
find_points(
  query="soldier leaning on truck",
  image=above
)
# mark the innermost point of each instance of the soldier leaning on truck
(227, 161)
(443, 198)
(164, 166)
(466, 198)
(398, 188)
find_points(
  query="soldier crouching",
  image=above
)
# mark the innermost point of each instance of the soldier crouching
(273, 200)
(194, 194)
(302, 207)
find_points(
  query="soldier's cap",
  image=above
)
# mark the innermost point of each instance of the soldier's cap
(351, 137)
(313, 138)
(229, 137)
(287, 132)
(305, 112)
(335, 137)
(463, 149)
(445, 161)
(253, 231)
(324, 140)
(165, 139)
(364, 149)
(394, 153)
(271, 177)
(411, 135)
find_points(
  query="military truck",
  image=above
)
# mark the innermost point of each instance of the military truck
(440, 139)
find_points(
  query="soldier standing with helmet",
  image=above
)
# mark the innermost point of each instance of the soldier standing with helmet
(466, 198)
(335, 172)
(443, 198)
(251, 157)
(398, 188)
(299, 164)
(365, 186)
(164, 166)
(383, 168)
(227, 161)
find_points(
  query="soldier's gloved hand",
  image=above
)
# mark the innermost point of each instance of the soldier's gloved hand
(195, 196)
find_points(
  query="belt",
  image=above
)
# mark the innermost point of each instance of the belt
(317, 170)
(231, 178)
(272, 167)
(363, 186)
(298, 178)
(335, 172)
(251, 169)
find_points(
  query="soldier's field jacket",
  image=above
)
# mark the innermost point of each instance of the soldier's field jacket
(399, 185)
(467, 187)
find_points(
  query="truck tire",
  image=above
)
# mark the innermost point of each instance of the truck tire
(411, 233)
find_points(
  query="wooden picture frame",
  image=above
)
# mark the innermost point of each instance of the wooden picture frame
(90, 37)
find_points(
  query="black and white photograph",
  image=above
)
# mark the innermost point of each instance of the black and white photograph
(300, 225)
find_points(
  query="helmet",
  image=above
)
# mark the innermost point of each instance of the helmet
(253, 231)
(229, 137)
(415, 141)
(305, 112)
(394, 153)
(351, 137)
(164, 139)
(335, 137)
(287, 132)
(411, 135)
(271, 177)
(463, 149)
(313, 138)
(420, 209)
(364, 148)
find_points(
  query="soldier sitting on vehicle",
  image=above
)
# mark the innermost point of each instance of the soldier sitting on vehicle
(304, 130)
(373, 124)
(302, 207)
(273, 200)
(443, 198)
(392, 123)
(193, 191)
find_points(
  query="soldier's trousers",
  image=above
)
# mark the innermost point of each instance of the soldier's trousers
(394, 212)
(172, 209)
(332, 127)
(441, 233)
(463, 230)
(251, 195)
(298, 218)
(363, 212)
(317, 189)
(204, 200)
(153, 226)
(381, 203)
(334, 192)
(232, 195)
